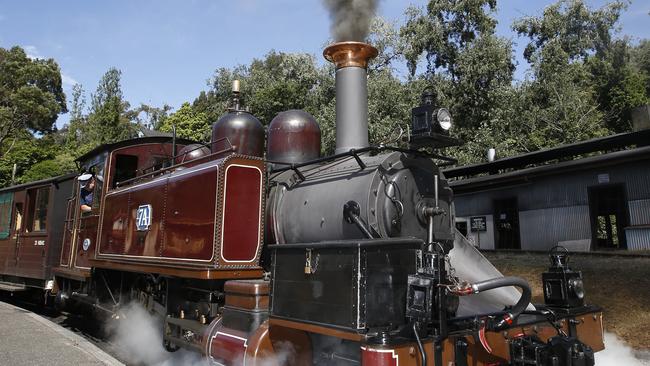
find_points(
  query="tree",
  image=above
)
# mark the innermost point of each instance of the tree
(108, 120)
(60, 164)
(31, 96)
(572, 39)
(29, 154)
(571, 29)
(466, 62)
(75, 129)
(445, 31)
(279, 82)
(189, 124)
(149, 117)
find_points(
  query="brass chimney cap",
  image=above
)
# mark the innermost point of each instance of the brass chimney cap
(347, 54)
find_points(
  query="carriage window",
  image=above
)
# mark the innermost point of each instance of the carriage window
(38, 201)
(5, 214)
(126, 167)
(18, 217)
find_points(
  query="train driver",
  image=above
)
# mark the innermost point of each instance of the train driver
(87, 184)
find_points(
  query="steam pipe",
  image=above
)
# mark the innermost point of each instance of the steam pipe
(521, 305)
(493, 283)
(423, 354)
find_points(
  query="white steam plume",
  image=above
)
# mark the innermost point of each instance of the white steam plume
(350, 18)
(617, 353)
(138, 335)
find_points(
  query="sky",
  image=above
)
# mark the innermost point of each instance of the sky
(168, 49)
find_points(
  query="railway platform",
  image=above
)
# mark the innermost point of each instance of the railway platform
(29, 339)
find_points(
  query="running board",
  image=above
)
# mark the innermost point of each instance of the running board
(12, 287)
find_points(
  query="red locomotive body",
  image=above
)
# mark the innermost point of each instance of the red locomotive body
(202, 217)
(206, 217)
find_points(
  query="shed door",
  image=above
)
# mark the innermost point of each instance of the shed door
(609, 216)
(506, 223)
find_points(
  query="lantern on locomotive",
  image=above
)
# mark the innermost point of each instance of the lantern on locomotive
(430, 124)
(563, 287)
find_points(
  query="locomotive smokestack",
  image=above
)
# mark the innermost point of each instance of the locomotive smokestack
(351, 60)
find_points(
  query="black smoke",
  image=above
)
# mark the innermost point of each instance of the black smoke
(350, 18)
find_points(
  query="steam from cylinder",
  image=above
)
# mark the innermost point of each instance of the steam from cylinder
(350, 18)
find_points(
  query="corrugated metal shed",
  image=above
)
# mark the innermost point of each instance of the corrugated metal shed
(638, 238)
(553, 199)
(639, 212)
(542, 229)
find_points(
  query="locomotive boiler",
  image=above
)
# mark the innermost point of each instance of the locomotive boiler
(278, 255)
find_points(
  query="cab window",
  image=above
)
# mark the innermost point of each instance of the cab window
(126, 167)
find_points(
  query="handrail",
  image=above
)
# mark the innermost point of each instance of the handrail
(355, 154)
(171, 167)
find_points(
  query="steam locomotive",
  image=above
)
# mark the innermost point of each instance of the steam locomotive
(281, 256)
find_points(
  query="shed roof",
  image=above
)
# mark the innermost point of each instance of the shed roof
(602, 144)
(526, 174)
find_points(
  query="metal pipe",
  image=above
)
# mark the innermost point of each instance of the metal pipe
(173, 142)
(423, 354)
(435, 189)
(521, 305)
(351, 109)
(351, 60)
(430, 230)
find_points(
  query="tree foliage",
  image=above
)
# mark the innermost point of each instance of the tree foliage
(581, 85)
(466, 62)
(569, 30)
(107, 120)
(570, 38)
(35, 159)
(31, 96)
(189, 123)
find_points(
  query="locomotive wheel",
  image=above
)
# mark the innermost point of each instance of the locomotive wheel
(170, 347)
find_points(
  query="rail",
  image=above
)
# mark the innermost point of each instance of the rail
(175, 166)
(355, 154)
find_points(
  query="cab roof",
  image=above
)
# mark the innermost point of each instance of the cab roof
(131, 142)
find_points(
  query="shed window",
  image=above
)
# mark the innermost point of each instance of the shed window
(38, 200)
(5, 214)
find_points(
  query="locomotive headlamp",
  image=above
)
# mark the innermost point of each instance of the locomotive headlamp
(430, 124)
(444, 118)
(563, 287)
(577, 287)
